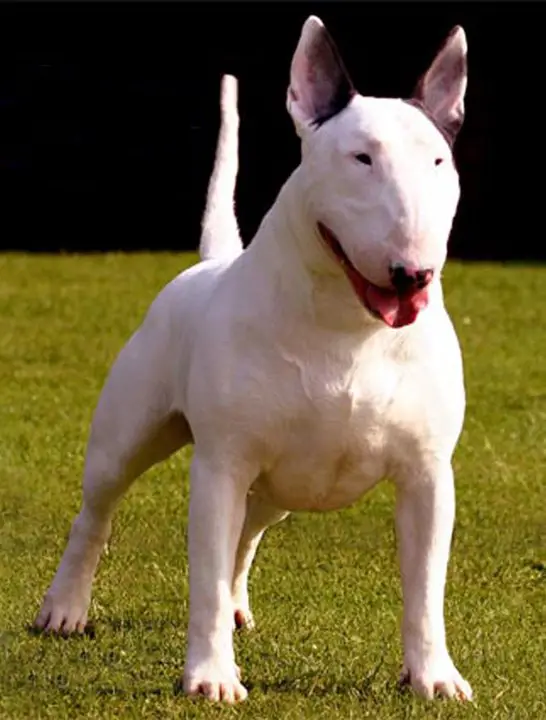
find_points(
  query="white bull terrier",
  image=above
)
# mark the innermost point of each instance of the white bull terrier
(305, 368)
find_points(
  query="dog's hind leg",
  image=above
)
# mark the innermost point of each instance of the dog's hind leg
(133, 428)
(259, 516)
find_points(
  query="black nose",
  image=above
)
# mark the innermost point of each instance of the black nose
(405, 278)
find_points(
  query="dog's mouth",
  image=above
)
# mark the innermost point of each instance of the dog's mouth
(395, 309)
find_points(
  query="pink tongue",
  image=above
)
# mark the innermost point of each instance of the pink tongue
(395, 310)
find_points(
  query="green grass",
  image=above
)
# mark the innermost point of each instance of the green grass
(325, 588)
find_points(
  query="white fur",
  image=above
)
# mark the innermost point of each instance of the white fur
(219, 229)
(294, 396)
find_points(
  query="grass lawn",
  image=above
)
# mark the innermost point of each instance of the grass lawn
(325, 588)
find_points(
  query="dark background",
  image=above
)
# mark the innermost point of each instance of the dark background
(108, 114)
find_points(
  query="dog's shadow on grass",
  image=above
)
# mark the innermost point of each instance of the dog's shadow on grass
(303, 685)
(133, 694)
(314, 684)
(311, 685)
(131, 623)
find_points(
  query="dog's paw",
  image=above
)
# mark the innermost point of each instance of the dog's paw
(62, 615)
(435, 676)
(243, 619)
(214, 683)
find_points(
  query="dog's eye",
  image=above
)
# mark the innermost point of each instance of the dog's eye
(364, 158)
(439, 161)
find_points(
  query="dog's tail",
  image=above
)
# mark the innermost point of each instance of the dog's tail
(219, 229)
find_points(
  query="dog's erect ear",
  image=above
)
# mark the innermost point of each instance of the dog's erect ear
(442, 88)
(319, 84)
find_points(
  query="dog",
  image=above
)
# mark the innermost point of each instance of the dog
(305, 368)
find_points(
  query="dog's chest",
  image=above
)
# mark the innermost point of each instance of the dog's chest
(331, 444)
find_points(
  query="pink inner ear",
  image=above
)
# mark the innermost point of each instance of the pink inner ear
(449, 69)
(320, 86)
(441, 89)
(303, 79)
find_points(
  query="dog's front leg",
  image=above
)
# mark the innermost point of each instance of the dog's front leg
(424, 519)
(217, 507)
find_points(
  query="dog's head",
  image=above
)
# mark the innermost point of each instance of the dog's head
(380, 185)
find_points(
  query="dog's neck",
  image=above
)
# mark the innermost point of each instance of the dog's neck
(301, 275)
